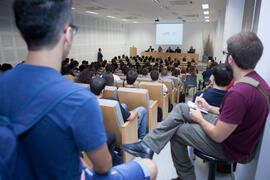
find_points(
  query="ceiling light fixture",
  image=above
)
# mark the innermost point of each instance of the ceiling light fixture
(205, 6)
(91, 12)
(73, 8)
(110, 17)
(206, 17)
(205, 12)
(123, 19)
(207, 20)
(135, 22)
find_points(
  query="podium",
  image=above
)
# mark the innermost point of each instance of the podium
(132, 51)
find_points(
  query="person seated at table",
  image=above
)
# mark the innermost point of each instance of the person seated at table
(169, 50)
(150, 49)
(160, 49)
(177, 50)
(191, 50)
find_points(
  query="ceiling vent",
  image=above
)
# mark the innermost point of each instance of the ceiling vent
(130, 17)
(180, 2)
(192, 15)
(94, 8)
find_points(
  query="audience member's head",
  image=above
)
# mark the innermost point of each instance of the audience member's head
(86, 76)
(131, 77)
(154, 75)
(108, 79)
(41, 23)
(164, 72)
(6, 67)
(110, 68)
(97, 86)
(144, 72)
(223, 74)
(246, 49)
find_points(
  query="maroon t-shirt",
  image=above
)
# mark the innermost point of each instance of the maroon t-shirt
(246, 106)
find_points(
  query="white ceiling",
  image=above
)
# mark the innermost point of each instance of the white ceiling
(146, 11)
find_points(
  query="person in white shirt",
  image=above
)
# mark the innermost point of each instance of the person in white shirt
(155, 78)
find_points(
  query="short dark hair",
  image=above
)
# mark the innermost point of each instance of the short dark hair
(97, 85)
(131, 76)
(246, 49)
(154, 75)
(164, 71)
(110, 68)
(42, 21)
(223, 74)
(144, 72)
(86, 76)
(6, 67)
(109, 81)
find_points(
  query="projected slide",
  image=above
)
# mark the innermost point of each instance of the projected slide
(169, 34)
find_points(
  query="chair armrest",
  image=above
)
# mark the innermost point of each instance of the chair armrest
(152, 116)
(173, 96)
(129, 135)
(165, 106)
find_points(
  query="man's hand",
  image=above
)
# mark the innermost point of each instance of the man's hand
(195, 115)
(201, 103)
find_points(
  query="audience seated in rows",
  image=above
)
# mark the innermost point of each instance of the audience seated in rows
(97, 87)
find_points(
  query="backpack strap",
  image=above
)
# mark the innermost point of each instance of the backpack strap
(255, 84)
(41, 103)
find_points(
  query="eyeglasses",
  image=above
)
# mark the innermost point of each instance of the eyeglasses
(74, 28)
(225, 52)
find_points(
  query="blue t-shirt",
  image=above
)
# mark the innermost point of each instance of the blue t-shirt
(53, 146)
(213, 96)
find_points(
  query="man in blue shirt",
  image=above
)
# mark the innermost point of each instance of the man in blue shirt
(222, 76)
(74, 125)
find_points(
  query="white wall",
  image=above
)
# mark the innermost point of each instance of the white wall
(143, 35)
(219, 36)
(12, 47)
(96, 32)
(233, 20)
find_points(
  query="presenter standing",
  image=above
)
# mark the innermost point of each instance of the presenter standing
(100, 55)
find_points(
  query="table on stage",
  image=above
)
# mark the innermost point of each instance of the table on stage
(179, 56)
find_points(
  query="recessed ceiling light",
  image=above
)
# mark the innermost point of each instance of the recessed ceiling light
(73, 8)
(91, 12)
(207, 20)
(206, 17)
(123, 19)
(206, 12)
(135, 22)
(110, 16)
(205, 6)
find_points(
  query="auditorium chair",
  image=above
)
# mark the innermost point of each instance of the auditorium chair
(127, 132)
(134, 97)
(156, 93)
(136, 84)
(171, 91)
(144, 79)
(120, 83)
(175, 82)
(110, 92)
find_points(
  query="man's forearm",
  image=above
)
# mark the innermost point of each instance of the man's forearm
(209, 129)
(214, 110)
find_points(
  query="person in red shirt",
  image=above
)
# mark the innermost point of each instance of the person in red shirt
(230, 132)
